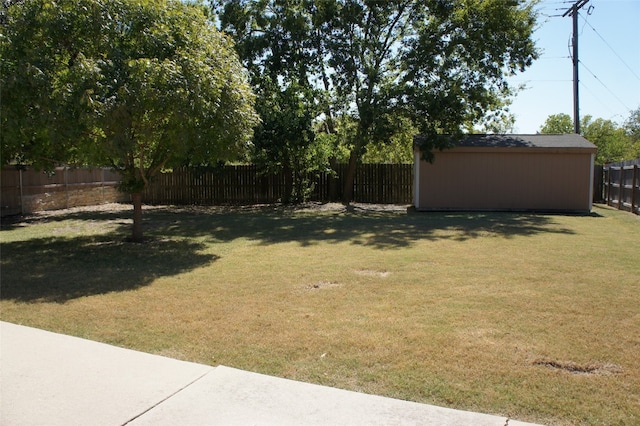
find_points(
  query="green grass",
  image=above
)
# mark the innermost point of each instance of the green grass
(535, 317)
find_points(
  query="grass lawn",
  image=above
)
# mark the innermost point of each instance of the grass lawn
(535, 317)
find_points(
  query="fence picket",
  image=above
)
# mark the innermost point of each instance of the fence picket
(246, 184)
(617, 185)
(622, 185)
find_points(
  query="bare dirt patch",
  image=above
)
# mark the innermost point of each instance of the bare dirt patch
(598, 369)
(308, 206)
(353, 207)
(372, 273)
(109, 207)
(322, 285)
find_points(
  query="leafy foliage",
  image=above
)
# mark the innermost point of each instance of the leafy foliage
(557, 124)
(271, 38)
(285, 140)
(610, 139)
(430, 65)
(135, 84)
(138, 85)
(632, 130)
(615, 143)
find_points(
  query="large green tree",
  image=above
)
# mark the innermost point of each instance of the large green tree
(285, 140)
(273, 39)
(440, 64)
(139, 85)
(615, 143)
(632, 130)
(611, 140)
(557, 124)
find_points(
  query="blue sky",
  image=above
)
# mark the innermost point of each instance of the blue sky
(609, 52)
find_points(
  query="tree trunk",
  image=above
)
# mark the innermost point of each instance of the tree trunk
(347, 194)
(136, 199)
(333, 181)
(288, 183)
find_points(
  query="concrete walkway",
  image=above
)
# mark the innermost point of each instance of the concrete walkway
(52, 379)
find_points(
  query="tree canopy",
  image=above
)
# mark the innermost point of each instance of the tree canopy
(632, 130)
(436, 65)
(558, 124)
(138, 85)
(614, 142)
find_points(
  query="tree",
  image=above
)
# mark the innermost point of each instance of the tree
(138, 85)
(438, 64)
(272, 40)
(558, 124)
(632, 130)
(398, 148)
(285, 139)
(614, 143)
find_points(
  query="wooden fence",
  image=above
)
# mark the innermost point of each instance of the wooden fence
(247, 184)
(28, 190)
(622, 185)
(25, 191)
(598, 183)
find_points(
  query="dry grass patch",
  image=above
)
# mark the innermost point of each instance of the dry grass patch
(489, 312)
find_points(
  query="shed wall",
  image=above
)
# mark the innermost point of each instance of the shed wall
(492, 179)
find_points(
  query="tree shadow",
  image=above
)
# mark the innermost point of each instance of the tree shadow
(378, 229)
(58, 269)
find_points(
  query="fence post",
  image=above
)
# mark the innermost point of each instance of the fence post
(607, 183)
(621, 189)
(102, 184)
(21, 192)
(66, 187)
(634, 175)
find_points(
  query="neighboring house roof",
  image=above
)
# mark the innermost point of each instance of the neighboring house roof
(520, 141)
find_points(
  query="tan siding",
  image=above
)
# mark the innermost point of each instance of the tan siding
(506, 180)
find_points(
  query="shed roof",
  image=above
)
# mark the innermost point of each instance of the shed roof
(526, 141)
(521, 141)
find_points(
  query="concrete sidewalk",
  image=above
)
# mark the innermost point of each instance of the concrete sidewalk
(53, 379)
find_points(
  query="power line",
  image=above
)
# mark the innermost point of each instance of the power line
(605, 86)
(584, 86)
(526, 81)
(612, 117)
(614, 52)
(554, 7)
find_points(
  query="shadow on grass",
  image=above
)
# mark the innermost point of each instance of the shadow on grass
(118, 217)
(60, 269)
(382, 230)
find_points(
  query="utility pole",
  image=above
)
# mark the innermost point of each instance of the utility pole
(573, 12)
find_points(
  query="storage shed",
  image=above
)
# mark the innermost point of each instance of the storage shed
(507, 173)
